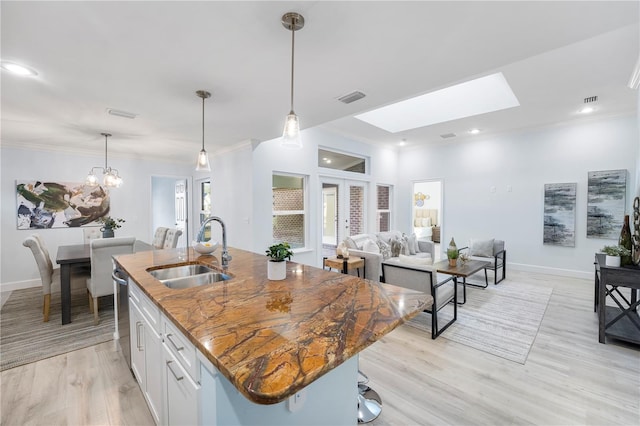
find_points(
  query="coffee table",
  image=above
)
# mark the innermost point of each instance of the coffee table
(343, 265)
(461, 270)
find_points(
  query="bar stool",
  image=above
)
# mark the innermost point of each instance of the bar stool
(369, 402)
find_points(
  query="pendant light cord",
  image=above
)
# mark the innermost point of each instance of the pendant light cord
(203, 123)
(105, 152)
(293, 35)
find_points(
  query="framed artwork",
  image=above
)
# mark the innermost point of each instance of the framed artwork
(560, 214)
(606, 199)
(42, 205)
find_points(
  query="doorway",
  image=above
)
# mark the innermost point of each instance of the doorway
(344, 211)
(169, 205)
(427, 210)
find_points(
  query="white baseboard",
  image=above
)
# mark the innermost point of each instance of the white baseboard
(549, 271)
(18, 285)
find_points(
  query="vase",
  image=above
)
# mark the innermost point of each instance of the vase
(107, 232)
(453, 262)
(612, 261)
(276, 270)
(625, 241)
(452, 253)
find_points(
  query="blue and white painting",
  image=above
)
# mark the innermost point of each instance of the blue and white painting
(560, 214)
(606, 199)
(42, 205)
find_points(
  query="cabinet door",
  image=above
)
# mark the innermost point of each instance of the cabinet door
(136, 336)
(182, 393)
(153, 361)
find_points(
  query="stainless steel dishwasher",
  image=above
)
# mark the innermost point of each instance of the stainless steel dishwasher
(122, 312)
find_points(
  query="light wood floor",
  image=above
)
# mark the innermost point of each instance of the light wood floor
(569, 378)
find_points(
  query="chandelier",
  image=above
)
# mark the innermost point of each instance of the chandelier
(110, 177)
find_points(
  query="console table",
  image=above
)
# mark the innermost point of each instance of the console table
(621, 321)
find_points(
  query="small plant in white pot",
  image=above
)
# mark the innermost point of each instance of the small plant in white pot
(614, 253)
(277, 265)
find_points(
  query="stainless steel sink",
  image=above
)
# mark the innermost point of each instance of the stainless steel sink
(180, 271)
(187, 276)
(196, 280)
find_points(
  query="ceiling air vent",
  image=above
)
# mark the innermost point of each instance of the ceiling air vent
(351, 97)
(590, 99)
(448, 135)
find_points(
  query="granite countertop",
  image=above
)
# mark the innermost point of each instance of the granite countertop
(272, 338)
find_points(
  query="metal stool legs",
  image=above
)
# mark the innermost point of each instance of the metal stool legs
(369, 402)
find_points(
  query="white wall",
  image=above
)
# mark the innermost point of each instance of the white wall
(518, 166)
(269, 157)
(131, 202)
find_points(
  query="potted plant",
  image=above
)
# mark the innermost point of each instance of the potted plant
(109, 224)
(614, 253)
(277, 265)
(452, 253)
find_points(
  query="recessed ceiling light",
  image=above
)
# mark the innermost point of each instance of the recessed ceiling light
(18, 69)
(479, 96)
(587, 110)
(474, 131)
(327, 161)
(403, 142)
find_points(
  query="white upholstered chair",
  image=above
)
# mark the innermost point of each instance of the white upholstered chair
(47, 274)
(91, 233)
(171, 239)
(421, 277)
(159, 236)
(101, 283)
(492, 251)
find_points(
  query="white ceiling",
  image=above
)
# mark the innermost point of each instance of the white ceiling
(150, 57)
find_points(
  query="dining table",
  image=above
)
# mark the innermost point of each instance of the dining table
(78, 255)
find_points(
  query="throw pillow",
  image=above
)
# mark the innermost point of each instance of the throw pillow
(405, 245)
(385, 249)
(396, 247)
(426, 222)
(482, 248)
(413, 242)
(370, 246)
(410, 240)
(350, 243)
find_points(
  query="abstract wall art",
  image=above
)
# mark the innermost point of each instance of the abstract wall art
(42, 205)
(606, 199)
(560, 214)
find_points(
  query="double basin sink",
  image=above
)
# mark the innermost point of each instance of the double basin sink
(187, 276)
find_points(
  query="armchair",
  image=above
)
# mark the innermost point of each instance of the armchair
(423, 277)
(492, 251)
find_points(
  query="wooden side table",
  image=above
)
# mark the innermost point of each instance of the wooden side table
(344, 265)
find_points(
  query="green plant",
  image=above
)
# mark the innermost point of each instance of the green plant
(279, 252)
(452, 253)
(111, 222)
(616, 251)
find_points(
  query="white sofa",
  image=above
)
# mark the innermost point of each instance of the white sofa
(358, 246)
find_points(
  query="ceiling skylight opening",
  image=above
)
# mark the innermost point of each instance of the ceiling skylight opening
(474, 97)
(18, 69)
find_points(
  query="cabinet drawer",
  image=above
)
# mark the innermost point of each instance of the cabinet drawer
(182, 349)
(149, 310)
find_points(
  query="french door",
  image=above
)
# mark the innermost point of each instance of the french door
(344, 211)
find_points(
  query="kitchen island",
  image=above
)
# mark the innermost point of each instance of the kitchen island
(272, 340)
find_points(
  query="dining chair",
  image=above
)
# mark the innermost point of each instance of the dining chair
(171, 240)
(159, 236)
(91, 234)
(101, 283)
(48, 275)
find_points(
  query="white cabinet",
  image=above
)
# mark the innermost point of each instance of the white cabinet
(146, 349)
(181, 392)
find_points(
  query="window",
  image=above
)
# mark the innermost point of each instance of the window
(383, 208)
(289, 209)
(205, 206)
(344, 162)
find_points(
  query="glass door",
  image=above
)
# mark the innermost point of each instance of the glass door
(343, 211)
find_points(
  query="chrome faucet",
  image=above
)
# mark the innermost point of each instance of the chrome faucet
(226, 257)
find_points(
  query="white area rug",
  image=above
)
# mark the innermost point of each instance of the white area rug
(502, 319)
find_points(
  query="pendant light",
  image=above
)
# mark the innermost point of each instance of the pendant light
(202, 164)
(291, 134)
(110, 177)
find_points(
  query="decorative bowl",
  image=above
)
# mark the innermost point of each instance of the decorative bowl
(205, 247)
